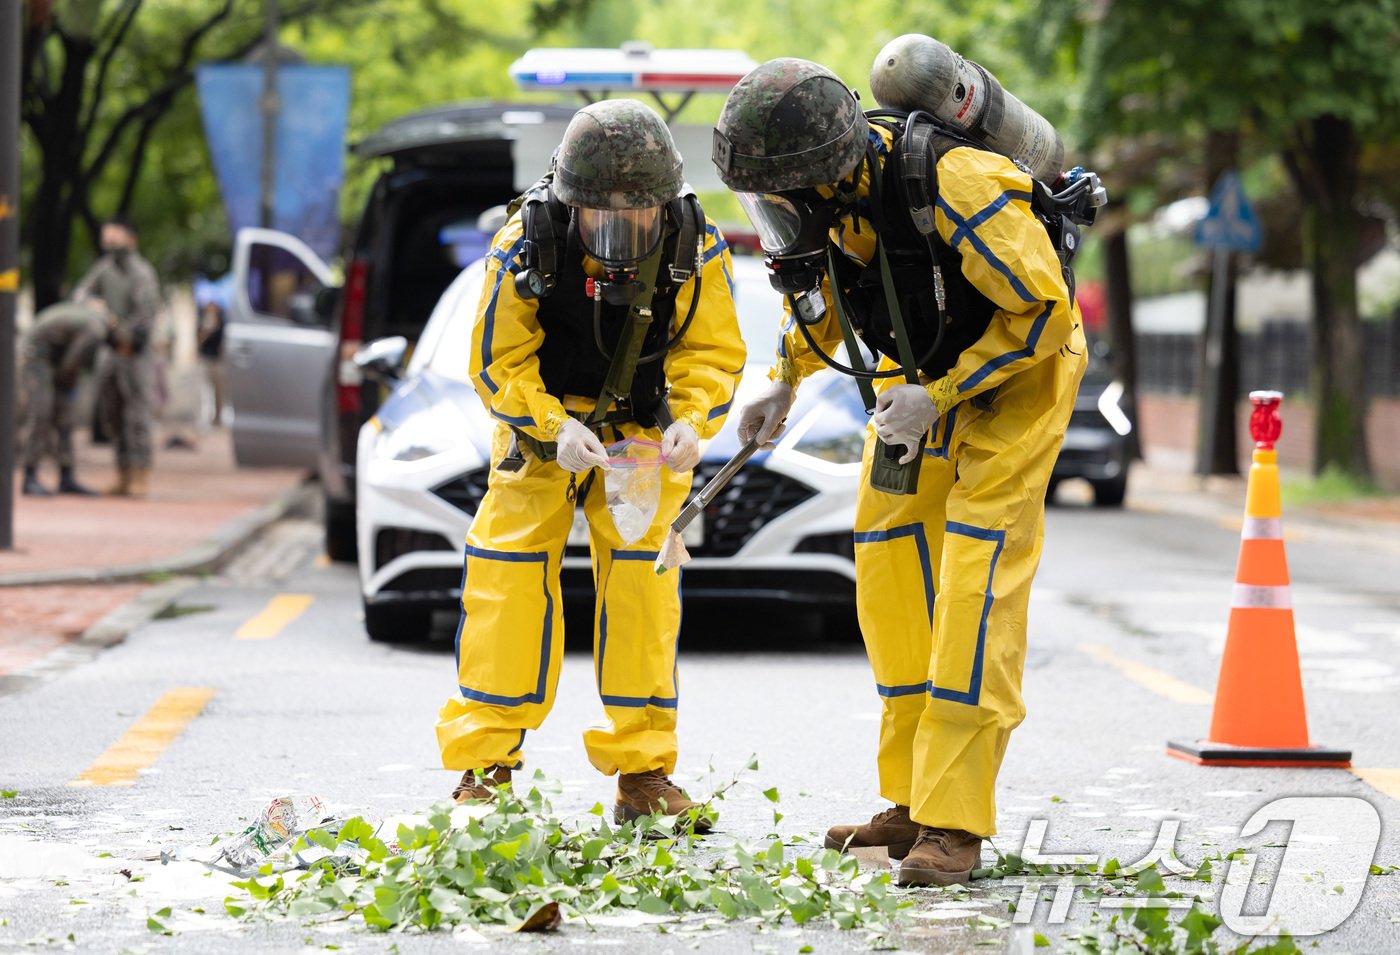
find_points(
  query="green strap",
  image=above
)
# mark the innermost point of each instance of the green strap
(848, 332)
(623, 368)
(901, 332)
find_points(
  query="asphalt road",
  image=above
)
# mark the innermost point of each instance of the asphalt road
(1127, 624)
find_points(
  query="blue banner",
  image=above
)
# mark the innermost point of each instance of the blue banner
(309, 146)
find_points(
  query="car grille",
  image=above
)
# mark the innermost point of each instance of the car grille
(393, 542)
(465, 491)
(752, 498)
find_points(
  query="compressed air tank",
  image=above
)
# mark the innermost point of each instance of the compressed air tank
(918, 72)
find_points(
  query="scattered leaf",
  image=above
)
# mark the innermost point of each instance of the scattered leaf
(544, 918)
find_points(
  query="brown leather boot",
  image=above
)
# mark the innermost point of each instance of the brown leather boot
(479, 785)
(138, 483)
(649, 793)
(122, 487)
(892, 828)
(941, 857)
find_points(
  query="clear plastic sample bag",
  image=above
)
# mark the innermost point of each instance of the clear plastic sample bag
(633, 485)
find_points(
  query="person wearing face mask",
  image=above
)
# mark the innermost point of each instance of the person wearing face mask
(607, 313)
(961, 292)
(127, 286)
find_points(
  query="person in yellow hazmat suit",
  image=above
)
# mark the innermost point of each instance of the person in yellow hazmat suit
(982, 354)
(607, 314)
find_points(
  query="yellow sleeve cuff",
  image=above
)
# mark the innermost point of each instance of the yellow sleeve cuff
(549, 427)
(694, 419)
(944, 394)
(785, 371)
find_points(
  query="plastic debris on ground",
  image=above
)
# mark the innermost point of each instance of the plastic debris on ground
(272, 840)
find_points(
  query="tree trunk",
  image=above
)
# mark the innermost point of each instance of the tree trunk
(1222, 457)
(57, 197)
(1120, 329)
(1333, 229)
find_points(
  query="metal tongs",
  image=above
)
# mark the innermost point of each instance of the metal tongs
(673, 552)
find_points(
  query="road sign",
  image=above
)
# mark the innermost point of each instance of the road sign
(1230, 224)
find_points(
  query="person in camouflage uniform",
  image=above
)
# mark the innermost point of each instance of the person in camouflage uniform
(130, 292)
(541, 354)
(62, 342)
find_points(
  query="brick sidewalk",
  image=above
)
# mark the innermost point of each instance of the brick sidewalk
(198, 500)
(193, 494)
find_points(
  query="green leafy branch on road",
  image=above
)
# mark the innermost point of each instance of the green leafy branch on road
(520, 866)
(1149, 929)
(1146, 928)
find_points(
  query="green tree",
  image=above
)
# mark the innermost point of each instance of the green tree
(98, 77)
(1315, 83)
(112, 124)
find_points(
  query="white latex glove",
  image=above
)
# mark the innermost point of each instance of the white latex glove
(762, 418)
(579, 448)
(680, 447)
(903, 415)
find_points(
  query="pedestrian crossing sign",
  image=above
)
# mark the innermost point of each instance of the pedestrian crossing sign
(1230, 223)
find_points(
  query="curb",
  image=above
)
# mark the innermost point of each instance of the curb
(105, 633)
(204, 557)
(1304, 520)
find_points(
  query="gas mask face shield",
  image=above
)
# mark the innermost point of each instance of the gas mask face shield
(792, 227)
(619, 238)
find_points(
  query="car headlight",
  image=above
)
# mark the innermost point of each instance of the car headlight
(842, 448)
(413, 441)
(1112, 412)
(832, 435)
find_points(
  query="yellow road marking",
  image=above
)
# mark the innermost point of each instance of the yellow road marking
(280, 611)
(1163, 684)
(1386, 780)
(147, 739)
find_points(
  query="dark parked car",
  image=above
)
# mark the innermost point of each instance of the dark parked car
(1097, 446)
(443, 168)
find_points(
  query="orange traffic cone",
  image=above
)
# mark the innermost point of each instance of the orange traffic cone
(1260, 718)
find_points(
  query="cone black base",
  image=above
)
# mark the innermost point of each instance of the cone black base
(1206, 753)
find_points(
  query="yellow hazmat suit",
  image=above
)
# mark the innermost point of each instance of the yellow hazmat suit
(510, 641)
(943, 576)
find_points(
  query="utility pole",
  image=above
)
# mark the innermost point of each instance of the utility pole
(270, 105)
(9, 257)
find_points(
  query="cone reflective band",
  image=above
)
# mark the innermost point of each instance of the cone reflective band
(1259, 717)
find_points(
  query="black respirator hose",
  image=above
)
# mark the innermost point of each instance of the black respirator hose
(832, 362)
(670, 343)
(680, 332)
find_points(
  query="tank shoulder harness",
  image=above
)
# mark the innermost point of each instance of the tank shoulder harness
(920, 140)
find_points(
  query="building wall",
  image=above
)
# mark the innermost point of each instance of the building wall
(1168, 427)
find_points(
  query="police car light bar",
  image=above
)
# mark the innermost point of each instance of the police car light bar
(634, 67)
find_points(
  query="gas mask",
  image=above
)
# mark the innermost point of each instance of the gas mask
(792, 227)
(620, 240)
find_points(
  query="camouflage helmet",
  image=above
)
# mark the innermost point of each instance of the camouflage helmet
(617, 154)
(788, 124)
